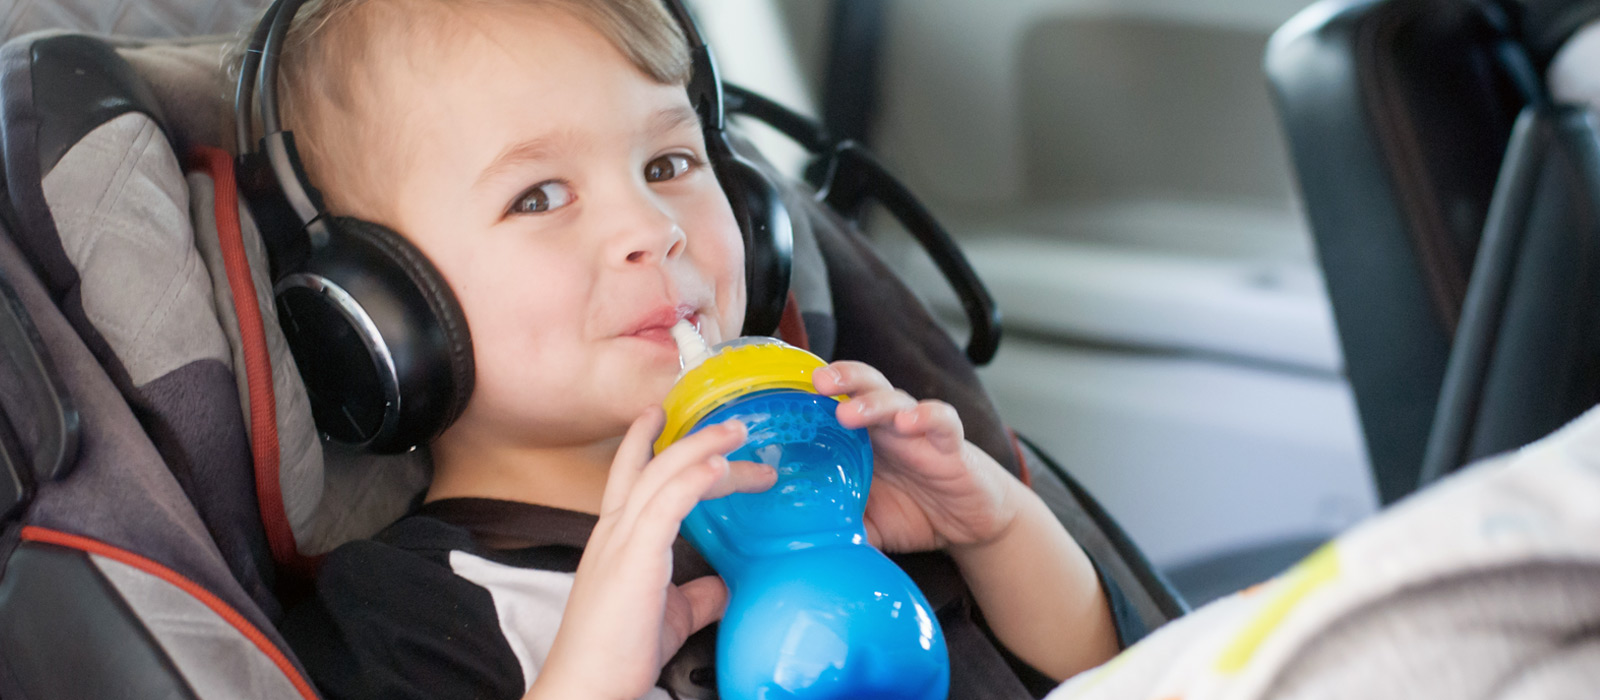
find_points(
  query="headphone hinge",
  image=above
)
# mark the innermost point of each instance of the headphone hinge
(275, 220)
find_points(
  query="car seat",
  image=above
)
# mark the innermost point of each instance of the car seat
(1454, 204)
(164, 490)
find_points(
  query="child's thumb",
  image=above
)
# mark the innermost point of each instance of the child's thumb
(690, 607)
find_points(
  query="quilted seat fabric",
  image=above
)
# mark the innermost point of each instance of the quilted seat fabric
(139, 18)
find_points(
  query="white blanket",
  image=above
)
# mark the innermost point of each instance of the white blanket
(1486, 585)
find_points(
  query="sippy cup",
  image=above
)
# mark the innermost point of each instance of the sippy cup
(814, 612)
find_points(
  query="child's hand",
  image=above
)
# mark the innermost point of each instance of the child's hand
(931, 488)
(624, 618)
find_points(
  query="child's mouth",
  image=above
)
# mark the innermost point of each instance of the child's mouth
(657, 326)
(655, 335)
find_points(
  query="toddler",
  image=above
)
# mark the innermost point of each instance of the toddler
(545, 157)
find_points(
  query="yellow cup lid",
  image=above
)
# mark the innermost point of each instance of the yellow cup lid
(738, 367)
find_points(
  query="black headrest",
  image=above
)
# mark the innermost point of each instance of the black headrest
(1397, 113)
(80, 83)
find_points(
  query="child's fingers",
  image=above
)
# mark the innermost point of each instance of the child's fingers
(713, 441)
(742, 477)
(708, 598)
(874, 407)
(935, 420)
(683, 471)
(704, 600)
(848, 377)
(874, 537)
(649, 525)
(632, 455)
(659, 517)
(666, 508)
(873, 399)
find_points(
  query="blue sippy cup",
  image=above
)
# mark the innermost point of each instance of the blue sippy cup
(815, 613)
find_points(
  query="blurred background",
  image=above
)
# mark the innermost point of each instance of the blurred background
(1115, 172)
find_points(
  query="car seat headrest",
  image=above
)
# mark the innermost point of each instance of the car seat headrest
(130, 244)
(89, 86)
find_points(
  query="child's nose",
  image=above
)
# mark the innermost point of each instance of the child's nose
(666, 248)
(648, 237)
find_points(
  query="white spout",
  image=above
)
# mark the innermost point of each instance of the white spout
(692, 349)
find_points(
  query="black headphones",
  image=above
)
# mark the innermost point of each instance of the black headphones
(381, 342)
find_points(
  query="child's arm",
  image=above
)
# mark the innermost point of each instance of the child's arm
(933, 489)
(1038, 591)
(624, 618)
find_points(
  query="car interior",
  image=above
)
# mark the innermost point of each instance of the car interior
(1217, 280)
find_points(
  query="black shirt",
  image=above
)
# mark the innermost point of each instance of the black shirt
(462, 598)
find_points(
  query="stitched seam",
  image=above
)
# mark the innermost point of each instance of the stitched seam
(164, 306)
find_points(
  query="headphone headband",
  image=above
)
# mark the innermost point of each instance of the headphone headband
(244, 91)
(266, 83)
(705, 83)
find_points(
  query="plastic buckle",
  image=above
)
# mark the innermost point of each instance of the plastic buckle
(39, 426)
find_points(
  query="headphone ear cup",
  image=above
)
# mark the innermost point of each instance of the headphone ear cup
(768, 234)
(381, 342)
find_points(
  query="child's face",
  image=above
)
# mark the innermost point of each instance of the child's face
(566, 198)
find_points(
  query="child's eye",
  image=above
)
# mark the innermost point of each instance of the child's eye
(545, 196)
(668, 167)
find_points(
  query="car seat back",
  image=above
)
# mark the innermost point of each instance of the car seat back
(128, 561)
(148, 19)
(1399, 114)
(1526, 357)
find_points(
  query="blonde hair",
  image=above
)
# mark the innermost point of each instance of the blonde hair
(327, 76)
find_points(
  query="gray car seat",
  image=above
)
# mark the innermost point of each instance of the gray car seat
(163, 488)
(1453, 205)
(147, 19)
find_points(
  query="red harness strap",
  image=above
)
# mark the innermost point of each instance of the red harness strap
(792, 327)
(257, 364)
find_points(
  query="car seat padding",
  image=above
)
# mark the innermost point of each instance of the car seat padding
(121, 211)
(121, 491)
(194, 443)
(84, 85)
(176, 627)
(59, 601)
(912, 351)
